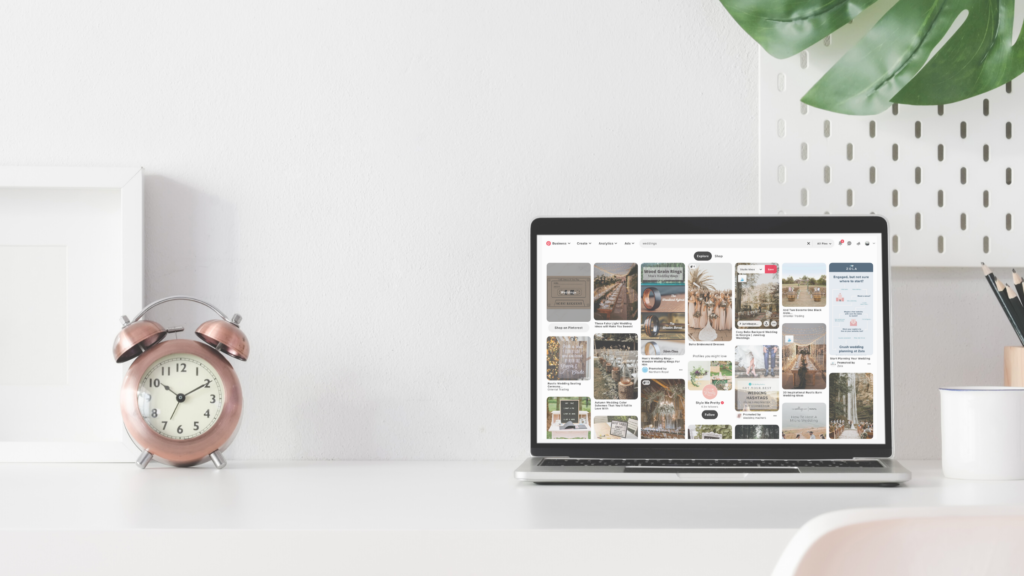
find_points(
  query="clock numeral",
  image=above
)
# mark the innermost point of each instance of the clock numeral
(208, 382)
(213, 398)
(207, 414)
(164, 422)
(165, 370)
(154, 413)
(195, 425)
(154, 382)
(180, 431)
(197, 370)
(181, 367)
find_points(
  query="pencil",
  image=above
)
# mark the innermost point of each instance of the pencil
(1018, 284)
(1003, 301)
(1016, 304)
(1011, 298)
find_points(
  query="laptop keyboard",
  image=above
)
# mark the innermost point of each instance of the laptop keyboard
(664, 462)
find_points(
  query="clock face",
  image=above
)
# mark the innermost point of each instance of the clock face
(181, 396)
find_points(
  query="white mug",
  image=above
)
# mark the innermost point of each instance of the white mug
(983, 432)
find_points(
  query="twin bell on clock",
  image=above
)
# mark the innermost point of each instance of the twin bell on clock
(180, 401)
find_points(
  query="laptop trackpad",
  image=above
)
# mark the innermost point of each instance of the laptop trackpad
(703, 470)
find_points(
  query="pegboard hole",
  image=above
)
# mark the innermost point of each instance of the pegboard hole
(803, 150)
(849, 196)
(1009, 221)
(984, 152)
(984, 198)
(849, 151)
(828, 128)
(941, 198)
(963, 175)
(984, 106)
(895, 243)
(782, 174)
(871, 174)
(917, 129)
(917, 175)
(827, 41)
(781, 82)
(803, 196)
(1009, 175)
(942, 152)
(828, 174)
(803, 108)
(895, 109)
(895, 151)
(895, 198)
(804, 59)
(917, 221)
(963, 130)
(942, 110)
(782, 128)
(1009, 130)
(871, 129)
(1009, 87)
(942, 244)
(827, 212)
(984, 244)
(963, 221)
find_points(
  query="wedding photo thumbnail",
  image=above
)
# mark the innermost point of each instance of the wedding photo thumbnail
(709, 313)
(568, 358)
(615, 291)
(568, 292)
(615, 366)
(709, 432)
(616, 427)
(757, 432)
(568, 418)
(803, 421)
(666, 326)
(851, 399)
(662, 409)
(757, 296)
(756, 377)
(803, 285)
(663, 288)
(803, 356)
(717, 373)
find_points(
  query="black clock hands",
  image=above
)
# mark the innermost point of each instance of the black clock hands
(176, 404)
(194, 389)
(168, 388)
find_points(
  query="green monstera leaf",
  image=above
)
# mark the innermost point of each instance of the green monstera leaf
(891, 62)
(785, 27)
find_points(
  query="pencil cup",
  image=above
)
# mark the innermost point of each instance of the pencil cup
(982, 432)
(1013, 366)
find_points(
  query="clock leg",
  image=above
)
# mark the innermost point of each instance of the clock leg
(218, 459)
(144, 459)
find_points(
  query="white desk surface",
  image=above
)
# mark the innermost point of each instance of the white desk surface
(438, 517)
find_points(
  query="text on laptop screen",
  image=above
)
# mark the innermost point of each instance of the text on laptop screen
(710, 338)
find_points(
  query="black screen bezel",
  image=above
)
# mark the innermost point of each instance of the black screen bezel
(830, 225)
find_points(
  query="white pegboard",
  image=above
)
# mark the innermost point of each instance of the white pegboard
(946, 178)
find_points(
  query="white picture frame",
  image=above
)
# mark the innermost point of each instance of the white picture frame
(90, 220)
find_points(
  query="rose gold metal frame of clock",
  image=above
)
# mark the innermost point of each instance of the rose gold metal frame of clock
(194, 450)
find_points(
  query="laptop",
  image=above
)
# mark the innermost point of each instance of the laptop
(742, 350)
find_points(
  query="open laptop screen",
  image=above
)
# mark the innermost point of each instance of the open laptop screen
(692, 339)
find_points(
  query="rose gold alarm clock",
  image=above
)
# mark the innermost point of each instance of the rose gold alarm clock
(180, 401)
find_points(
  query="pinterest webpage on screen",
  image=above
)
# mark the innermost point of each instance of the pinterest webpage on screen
(710, 338)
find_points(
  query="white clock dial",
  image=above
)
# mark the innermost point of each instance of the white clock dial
(181, 396)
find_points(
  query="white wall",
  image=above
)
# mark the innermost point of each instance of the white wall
(357, 179)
